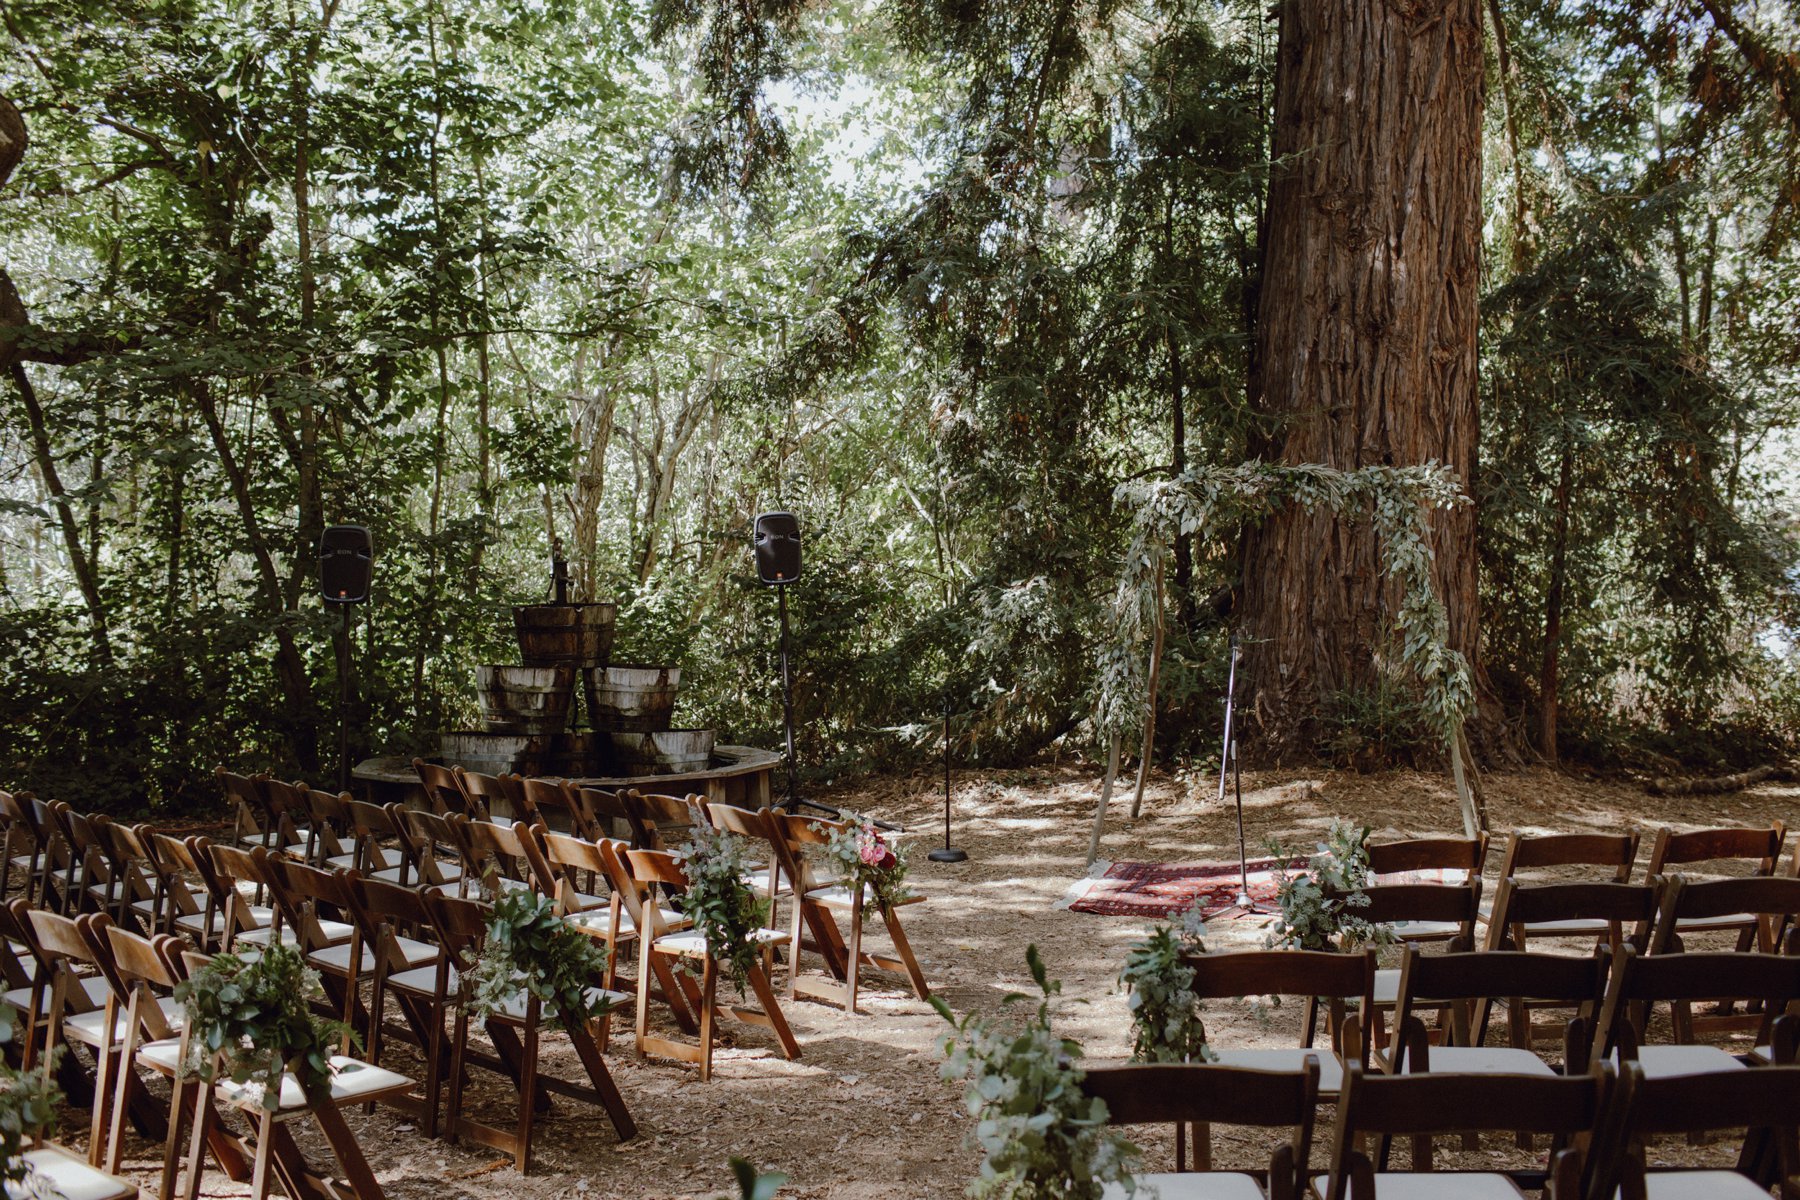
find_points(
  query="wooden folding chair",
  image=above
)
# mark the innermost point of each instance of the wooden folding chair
(660, 871)
(1467, 983)
(817, 905)
(1333, 978)
(1567, 1108)
(1612, 913)
(659, 822)
(32, 847)
(1205, 1094)
(557, 805)
(1428, 908)
(275, 1157)
(129, 895)
(397, 932)
(142, 973)
(331, 835)
(1760, 848)
(1770, 981)
(255, 822)
(1759, 907)
(179, 907)
(461, 926)
(1426, 862)
(500, 856)
(438, 851)
(492, 797)
(442, 788)
(622, 919)
(34, 976)
(1615, 856)
(87, 879)
(75, 1017)
(612, 817)
(230, 914)
(316, 906)
(1765, 1101)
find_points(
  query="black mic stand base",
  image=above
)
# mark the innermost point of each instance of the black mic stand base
(948, 855)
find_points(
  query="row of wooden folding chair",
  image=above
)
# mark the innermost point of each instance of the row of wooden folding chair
(1598, 1122)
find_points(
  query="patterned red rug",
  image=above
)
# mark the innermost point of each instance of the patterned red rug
(1139, 889)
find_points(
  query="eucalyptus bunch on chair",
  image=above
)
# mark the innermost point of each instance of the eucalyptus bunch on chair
(1318, 906)
(860, 854)
(724, 908)
(529, 948)
(1042, 1136)
(251, 1016)
(1159, 985)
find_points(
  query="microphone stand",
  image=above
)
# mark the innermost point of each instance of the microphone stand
(1230, 763)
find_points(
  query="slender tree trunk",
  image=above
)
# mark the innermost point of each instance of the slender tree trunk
(86, 579)
(1366, 329)
(1548, 684)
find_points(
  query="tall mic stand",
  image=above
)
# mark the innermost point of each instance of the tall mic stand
(1229, 763)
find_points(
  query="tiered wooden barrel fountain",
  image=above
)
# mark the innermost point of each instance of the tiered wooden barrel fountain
(635, 705)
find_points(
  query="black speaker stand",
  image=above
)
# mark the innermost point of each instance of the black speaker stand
(949, 853)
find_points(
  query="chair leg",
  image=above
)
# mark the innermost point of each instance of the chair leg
(853, 957)
(103, 1084)
(920, 987)
(265, 1148)
(765, 994)
(527, 1097)
(709, 986)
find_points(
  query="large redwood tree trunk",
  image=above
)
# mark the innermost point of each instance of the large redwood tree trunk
(1366, 327)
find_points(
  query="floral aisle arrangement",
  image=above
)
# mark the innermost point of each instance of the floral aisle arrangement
(530, 949)
(861, 854)
(250, 1016)
(1042, 1137)
(1159, 986)
(724, 909)
(28, 1101)
(1318, 906)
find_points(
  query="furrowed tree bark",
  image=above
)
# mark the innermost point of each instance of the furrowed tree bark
(1549, 674)
(1366, 329)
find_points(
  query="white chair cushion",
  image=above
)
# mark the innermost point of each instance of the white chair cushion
(1387, 986)
(1729, 921)
(1189, 1185)
(1435, 1185)
(1765, 1053)
(337, 958)
(1426, 930)
(353, 1079)
(94, 985)
(260, 915)
(692, 944)
(1484, 1060)
(449, 872)
(839, 896)
(68, 1177)
(1665, 1062)
(1700, 1185)
(88, 1026)
(599, 920)
(333, 931)
(423, 981)
(1331, 1069)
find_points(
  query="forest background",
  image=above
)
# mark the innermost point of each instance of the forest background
(945, 279)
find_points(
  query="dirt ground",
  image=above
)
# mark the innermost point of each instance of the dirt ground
(863, 1113)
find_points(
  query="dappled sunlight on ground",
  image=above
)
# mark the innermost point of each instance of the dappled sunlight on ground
(863, 1113)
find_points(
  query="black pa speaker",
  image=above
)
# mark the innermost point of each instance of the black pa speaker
(346, 563)
(778, 547)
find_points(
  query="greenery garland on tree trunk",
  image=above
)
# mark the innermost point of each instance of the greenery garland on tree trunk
(1211, 501)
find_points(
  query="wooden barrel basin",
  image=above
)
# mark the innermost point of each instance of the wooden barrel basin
(533, 700)
(571, 635)
(494, 753)
(631, 698)
(661, 752)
